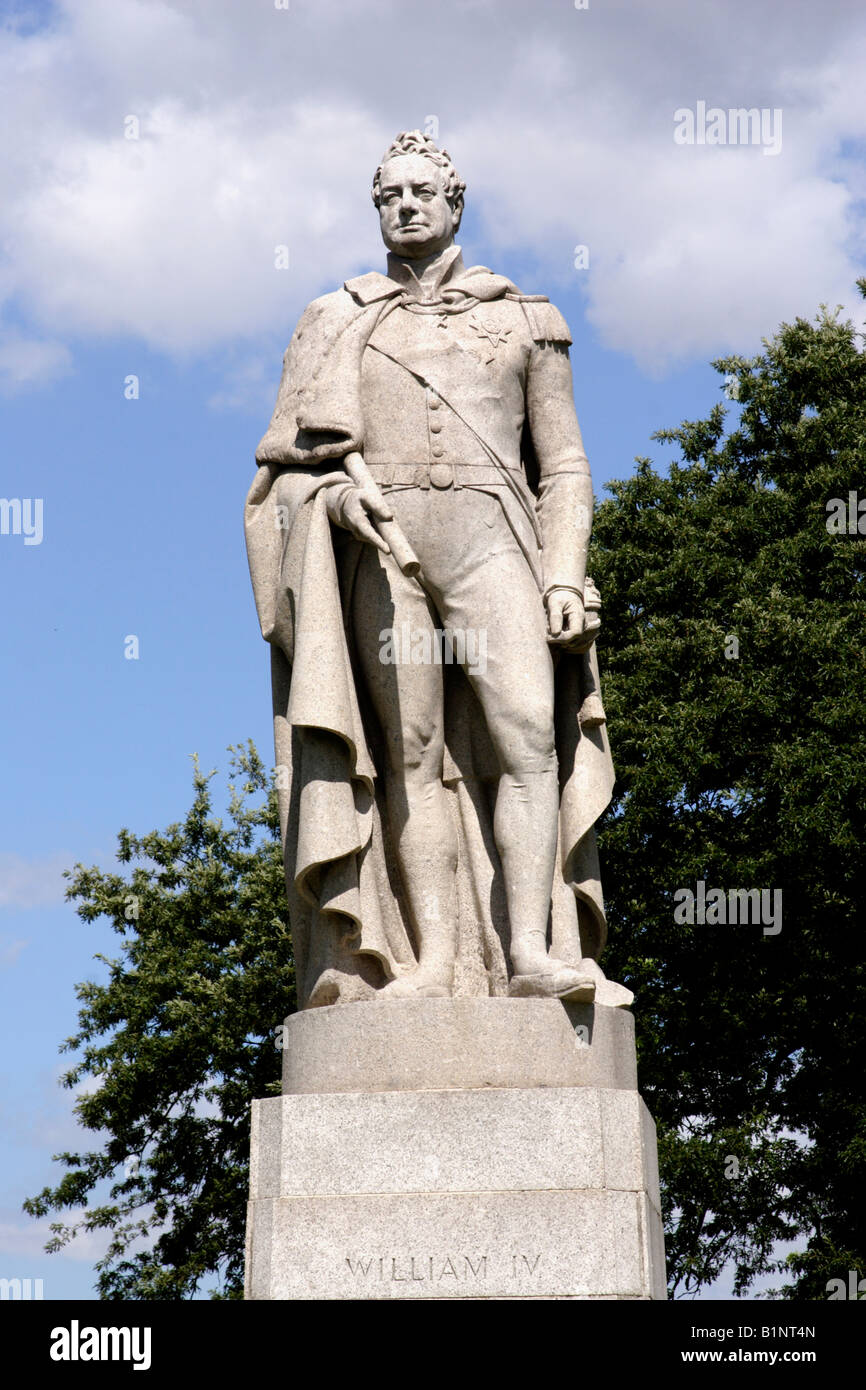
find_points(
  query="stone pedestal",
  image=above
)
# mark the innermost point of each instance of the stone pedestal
(455, 1148)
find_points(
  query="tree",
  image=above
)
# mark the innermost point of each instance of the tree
(189, 1017)
(735, 684)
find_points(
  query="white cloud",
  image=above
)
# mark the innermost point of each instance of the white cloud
(30, 361)
(33, 882)
(27, 1237)
(10, 950)
(248, 384)
(261, 127)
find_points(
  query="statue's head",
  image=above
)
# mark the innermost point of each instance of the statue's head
(419, 195)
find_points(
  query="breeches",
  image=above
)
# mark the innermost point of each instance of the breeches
(476, 583)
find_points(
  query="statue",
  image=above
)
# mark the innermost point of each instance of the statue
(417, 534)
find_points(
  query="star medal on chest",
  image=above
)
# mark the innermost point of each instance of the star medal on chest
(490, 333)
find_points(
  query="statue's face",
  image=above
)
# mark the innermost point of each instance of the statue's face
(415, 216)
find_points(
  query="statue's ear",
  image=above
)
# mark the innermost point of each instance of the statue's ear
(457, 213)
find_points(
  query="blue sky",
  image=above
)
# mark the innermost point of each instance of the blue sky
(154, 257)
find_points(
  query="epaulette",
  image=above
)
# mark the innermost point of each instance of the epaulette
(546, 323)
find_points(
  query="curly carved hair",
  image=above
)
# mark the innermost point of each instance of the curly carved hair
(415, 142)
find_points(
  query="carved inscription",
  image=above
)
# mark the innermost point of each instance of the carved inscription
(434, 1269)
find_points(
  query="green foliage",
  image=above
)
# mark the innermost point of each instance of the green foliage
(179, 1040)
(746, 771)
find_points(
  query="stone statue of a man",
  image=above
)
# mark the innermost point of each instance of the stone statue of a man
(441, 749)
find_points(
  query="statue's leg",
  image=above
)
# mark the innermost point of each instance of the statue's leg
(490, 589)
(407, 698)
(515, 692)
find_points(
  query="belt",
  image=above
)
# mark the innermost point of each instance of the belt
(441, 475)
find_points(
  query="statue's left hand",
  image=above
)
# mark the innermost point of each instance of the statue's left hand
(565, 618)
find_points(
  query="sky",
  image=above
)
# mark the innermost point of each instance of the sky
(154, 155)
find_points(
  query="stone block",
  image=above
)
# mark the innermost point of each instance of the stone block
(498, 1193)
(461, 1044)
(589, 1244)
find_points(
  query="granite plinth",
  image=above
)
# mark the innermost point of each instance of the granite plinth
(518, 1175)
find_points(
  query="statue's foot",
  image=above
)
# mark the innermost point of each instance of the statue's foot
(555, 980)
(607, 992)
(424, 982)
(338, 987)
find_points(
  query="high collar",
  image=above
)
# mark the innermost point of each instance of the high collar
(426, 287)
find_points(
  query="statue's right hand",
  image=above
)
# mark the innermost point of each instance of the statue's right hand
(351, 507)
